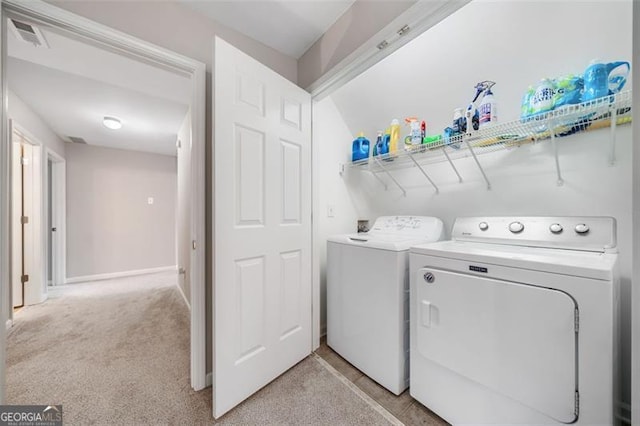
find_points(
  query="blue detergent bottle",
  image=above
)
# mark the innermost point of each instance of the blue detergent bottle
(360, 148)
(377, 148)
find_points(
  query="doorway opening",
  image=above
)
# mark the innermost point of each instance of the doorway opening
(54, 268)
(55, 219)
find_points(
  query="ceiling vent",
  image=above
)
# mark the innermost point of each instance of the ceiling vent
(76, 139)
(28, 33)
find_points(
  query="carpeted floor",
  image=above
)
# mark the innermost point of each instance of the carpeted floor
(117, 352)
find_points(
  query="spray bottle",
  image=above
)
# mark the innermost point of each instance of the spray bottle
(414, 137)
(488, 109)
(471, 114)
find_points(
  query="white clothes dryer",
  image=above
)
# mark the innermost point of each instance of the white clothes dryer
(514, 321)
(368, 295)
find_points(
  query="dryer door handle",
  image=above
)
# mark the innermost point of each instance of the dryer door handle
(425, 313)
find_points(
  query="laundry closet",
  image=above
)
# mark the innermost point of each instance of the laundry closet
(514, 44)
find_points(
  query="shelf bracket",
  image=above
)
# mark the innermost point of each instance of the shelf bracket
(391, 177)
(552, 131)
(444, 150)
(424, 173)
(614, 125)
(375, 175)
(466, 141)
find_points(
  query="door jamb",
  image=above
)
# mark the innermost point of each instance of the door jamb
(37, 218)
(58, 214)
(121, 42)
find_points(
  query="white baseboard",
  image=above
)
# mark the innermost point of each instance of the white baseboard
(209, 380)
(9, 324)
(123, 274)
(184, 296)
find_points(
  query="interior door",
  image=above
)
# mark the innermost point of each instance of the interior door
(262, 215)
(517, 340)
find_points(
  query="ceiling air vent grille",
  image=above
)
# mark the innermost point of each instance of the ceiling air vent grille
(76, 139)
(28, 33)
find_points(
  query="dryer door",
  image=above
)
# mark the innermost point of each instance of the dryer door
(518, 340)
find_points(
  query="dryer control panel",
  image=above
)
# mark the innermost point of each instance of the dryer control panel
(565, 232)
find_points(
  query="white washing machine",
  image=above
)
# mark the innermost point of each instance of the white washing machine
(368, 296)
(514, 321)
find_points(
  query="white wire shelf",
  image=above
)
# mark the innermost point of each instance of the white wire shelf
(609, 111)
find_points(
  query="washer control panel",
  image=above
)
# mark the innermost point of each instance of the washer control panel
(411, 226)
(578, 233)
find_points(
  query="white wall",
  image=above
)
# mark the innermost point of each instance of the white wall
(30, 121)
(110, 226)
(514, 44)
(330, 190)
(183, 223)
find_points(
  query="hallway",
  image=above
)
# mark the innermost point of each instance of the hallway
(112, 351)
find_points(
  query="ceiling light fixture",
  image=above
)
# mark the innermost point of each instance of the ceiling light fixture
(112, 123)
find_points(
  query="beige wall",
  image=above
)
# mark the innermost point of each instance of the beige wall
(356, 26)
(110, 226)
(183, 224)
(174, 26)
(32, 123)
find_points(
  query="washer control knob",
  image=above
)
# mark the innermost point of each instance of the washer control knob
(516, 227)
(556, 228)
(483, 226)
(582, 228)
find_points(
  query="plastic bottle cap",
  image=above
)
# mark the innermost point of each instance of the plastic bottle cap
(361, 135)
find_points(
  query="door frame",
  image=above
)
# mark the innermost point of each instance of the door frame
(38, 217)
(119, 42)
(58, 216)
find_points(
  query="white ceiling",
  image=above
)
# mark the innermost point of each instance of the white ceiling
(73, 85)
(289, 26)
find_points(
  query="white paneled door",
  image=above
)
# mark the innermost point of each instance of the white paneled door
(262, 226)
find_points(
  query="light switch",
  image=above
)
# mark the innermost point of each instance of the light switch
(331, 210)
(150, 200)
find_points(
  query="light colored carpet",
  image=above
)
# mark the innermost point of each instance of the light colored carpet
(117, 352)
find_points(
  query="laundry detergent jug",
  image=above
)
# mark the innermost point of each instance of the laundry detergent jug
(600, 80)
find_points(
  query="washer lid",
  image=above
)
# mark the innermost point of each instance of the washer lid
(559, 261)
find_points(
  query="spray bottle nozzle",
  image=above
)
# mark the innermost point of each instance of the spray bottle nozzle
(481, 87)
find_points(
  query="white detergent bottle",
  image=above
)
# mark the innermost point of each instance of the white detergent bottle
(488, 110)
